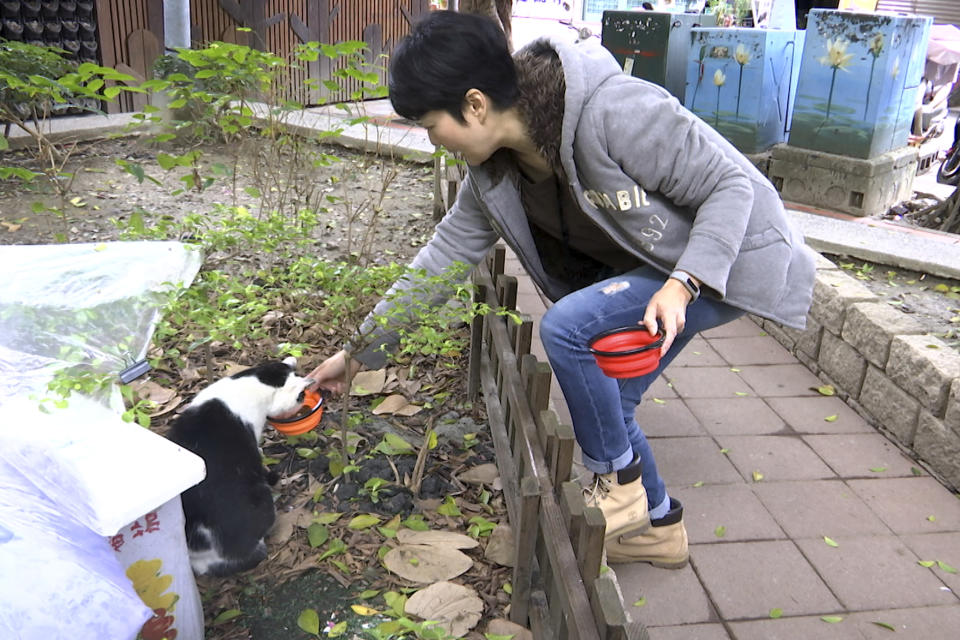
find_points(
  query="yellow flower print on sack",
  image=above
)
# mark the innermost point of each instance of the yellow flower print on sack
(150, 584)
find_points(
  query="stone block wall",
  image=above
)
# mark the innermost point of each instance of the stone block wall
(884, 365)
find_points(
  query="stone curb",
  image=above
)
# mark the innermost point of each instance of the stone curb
(883, 364)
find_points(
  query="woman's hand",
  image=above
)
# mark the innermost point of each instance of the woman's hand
(669, 307)
(331, 374)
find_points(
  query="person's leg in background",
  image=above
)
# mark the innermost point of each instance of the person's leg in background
(628, 487)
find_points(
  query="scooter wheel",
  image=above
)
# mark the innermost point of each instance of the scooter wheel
(949, 171)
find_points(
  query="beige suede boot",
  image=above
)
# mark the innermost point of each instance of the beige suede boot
(623, 500)
(663, 545)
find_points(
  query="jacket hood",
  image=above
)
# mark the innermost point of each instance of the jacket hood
(555, 82)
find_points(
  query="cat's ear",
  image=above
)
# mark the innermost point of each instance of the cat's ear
(291, 362)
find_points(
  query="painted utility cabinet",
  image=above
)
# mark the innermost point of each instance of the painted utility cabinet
(742, 81)
(859, 75)
(652, 45)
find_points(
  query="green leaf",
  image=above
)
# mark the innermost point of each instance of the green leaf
(369, 593)
(885, 625)
(640, 602)
(449, 508)
(4, 143)
(926, 563)
(720, 531)
(698, 484)
(825, 390)
(776, 613)
(309, 621)
(725, 451)
(740, 393)
(659, 401)
(363, 521)
(878, 469)
(830, 542)
(227, 615)
(338, 629)
(832, 418)
(831, 619)
(317, 534)
(945, 567)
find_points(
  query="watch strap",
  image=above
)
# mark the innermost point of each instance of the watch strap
(688, 283)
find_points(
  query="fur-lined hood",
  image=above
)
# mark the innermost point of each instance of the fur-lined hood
(542, 88)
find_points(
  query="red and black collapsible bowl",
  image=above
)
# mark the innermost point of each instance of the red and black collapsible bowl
(627, 352)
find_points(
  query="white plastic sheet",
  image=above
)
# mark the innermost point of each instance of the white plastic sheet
(77, 485)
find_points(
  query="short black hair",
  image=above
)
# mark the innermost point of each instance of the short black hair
(445, 55)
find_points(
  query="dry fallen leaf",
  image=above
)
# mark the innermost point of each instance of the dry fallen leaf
(367, 383)
(11, 227)
(500, 546)
(481, 474)
(438, 538)
(425, 563)
(457, 608)
(501, 627)
(286, 523)
(150, 390)
(396, 404)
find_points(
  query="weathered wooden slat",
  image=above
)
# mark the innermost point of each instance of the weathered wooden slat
(501, 442)
(590, 545)
(525, 539)
(566, 442)
(607, 605)
(476, 346)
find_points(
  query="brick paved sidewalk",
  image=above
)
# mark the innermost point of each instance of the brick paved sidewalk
(734, 404)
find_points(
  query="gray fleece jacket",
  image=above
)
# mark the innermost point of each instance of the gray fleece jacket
(657, 180)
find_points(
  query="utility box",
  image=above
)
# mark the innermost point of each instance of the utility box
(859, 77)
(742, 81)
(652, 45)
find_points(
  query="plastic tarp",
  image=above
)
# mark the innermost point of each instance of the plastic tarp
(71, 478)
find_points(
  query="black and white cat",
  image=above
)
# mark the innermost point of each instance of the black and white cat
(228, 514)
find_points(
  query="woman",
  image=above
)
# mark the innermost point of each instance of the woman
(623, 207)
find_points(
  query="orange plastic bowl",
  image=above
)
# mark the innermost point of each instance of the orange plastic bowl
(626, 352)
(306, 419)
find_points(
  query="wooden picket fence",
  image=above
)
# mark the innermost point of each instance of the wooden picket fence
(559, 591)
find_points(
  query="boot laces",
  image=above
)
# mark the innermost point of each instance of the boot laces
(601, 487)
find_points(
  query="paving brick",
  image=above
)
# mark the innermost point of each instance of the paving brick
(884, 563)
(808, 415)
(939, 447)
(748, 579)
(736, 416)
(854, 455)
(732, 506)
(660, 388)
(892, 407)
(833, 292)
(672, 596)
(742, 327)
(684, 461)
(869, 327)
(707, 382)
(698, 353)
(842, 363)
(813, 509)
(924, 367)
(929, 623)
(781, 379)
(668, 417)
(753, 350)
(905, 504)
(689, 632)
(944, 547)
(778, 458)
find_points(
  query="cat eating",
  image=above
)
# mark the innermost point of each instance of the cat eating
(230, 511)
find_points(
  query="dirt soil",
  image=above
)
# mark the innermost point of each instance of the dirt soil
(306, 568)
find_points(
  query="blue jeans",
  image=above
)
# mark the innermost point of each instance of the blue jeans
(603, 408)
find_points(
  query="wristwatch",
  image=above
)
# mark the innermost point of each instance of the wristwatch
(688, 283)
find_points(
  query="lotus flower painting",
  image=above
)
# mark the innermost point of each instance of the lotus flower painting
(854, 95)
(741, 80)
